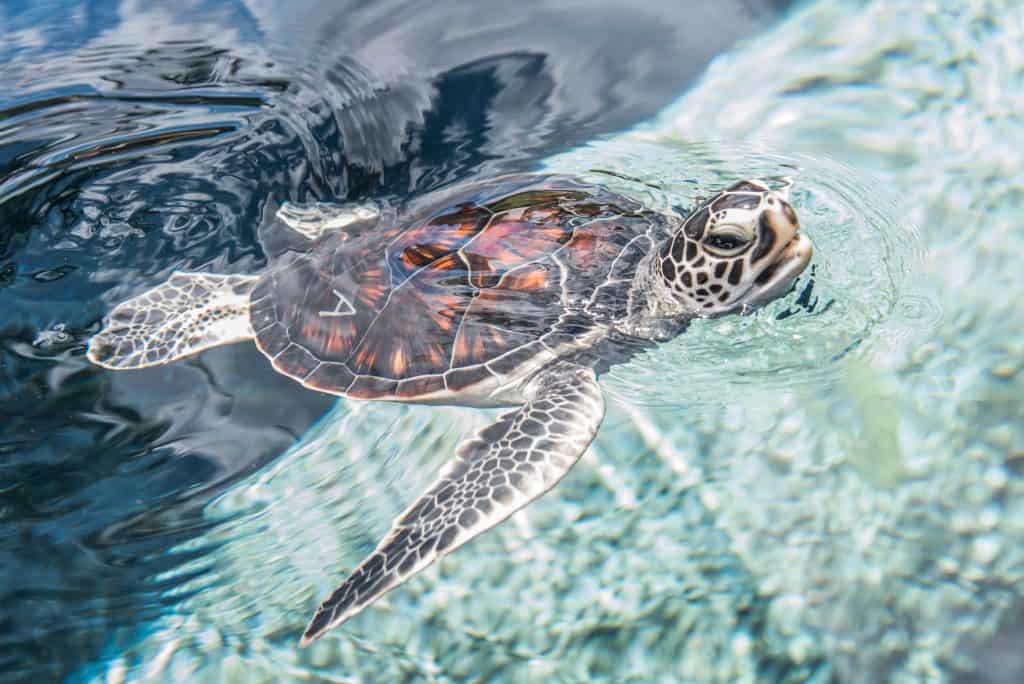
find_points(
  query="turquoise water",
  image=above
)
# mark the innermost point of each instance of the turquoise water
(856, 517)
(141, 138)
(827, 491)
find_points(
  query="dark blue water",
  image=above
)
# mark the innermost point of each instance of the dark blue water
(137, 139)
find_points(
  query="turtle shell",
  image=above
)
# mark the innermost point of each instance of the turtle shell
(468, 292)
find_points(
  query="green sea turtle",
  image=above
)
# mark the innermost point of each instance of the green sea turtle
(518, 291)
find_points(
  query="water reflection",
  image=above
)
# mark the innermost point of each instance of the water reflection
(136, 139)
(866, 530)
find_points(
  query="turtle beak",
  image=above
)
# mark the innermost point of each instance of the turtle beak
(792, 253)
(776, 279)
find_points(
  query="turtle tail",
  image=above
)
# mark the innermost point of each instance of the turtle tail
(186, 314)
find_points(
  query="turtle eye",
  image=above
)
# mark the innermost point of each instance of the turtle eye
(727, 240)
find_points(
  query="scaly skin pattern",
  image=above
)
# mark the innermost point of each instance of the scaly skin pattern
(505, 293)
(185, 315)
(504, 467)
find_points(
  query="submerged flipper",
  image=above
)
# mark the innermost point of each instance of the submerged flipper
(188, 313)
(506, 466)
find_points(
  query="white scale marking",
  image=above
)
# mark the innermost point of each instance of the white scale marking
(344, 307)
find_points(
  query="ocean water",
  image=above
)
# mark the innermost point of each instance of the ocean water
(137, 138)
(826, 491)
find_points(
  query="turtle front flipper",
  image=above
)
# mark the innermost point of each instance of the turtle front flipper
(186, 314)
(316, 219)
(504, 467)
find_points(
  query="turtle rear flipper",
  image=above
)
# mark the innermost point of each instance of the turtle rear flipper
(188, 313)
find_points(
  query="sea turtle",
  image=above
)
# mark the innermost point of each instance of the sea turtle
(517, 291)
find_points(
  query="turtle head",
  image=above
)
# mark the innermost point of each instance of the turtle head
(735, 252)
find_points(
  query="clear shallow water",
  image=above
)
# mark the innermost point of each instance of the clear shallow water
(865, 529)
(136, 139)
(861, 528)
(643, 506)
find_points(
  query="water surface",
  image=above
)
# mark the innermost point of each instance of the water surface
(864, 525)
(141, 138)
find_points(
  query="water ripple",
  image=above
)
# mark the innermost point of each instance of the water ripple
(141, 138)
(853, 298)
